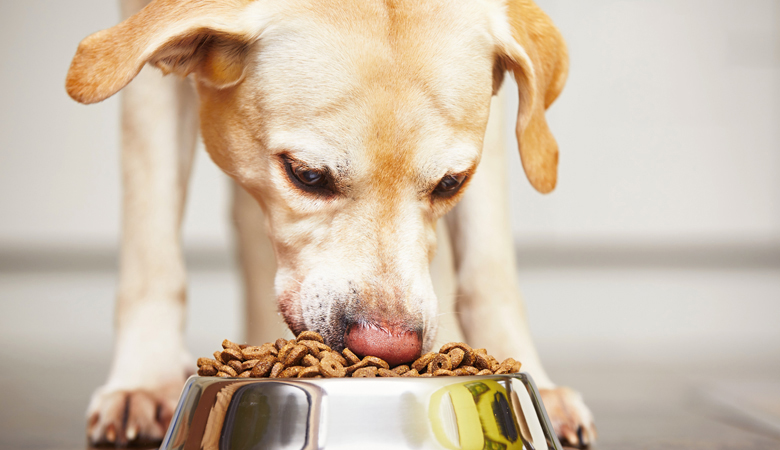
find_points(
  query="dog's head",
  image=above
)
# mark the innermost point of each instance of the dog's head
(355, 124)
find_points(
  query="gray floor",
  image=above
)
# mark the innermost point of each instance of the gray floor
(698, 367)
(636, 407)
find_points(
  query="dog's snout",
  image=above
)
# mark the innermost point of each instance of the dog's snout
(396, 345)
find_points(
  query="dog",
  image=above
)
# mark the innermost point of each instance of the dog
(357, 134)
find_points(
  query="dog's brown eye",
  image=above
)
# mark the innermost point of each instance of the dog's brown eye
(315, 181)
(449, 185)
(310, 177)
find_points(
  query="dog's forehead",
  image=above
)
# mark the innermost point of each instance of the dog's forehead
(394, 70)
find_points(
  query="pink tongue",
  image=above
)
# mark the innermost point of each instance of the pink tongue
(394, 346)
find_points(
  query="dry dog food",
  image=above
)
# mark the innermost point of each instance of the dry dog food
(307, 356)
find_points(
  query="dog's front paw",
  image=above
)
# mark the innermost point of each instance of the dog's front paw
(572, 420)
(122, 417)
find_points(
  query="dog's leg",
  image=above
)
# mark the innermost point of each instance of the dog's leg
(258, 265)
(489, 303)
(445, 286)
(150, 363)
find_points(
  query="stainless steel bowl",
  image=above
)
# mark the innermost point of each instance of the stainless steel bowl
(486, 412)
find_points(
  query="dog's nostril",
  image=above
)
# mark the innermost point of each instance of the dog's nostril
(394, 345)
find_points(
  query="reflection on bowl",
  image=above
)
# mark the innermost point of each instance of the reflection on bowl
(488, 412)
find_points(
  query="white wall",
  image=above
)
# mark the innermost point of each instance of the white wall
(669, 135)
(668, 130)
(668, 126)
(59, 160)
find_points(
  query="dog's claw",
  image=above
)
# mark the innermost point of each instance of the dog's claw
(572, 420)
(111, 434)
(130, 417)
(132, 433)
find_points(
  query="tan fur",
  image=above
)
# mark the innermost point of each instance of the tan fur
(543, 44)
(389, 96)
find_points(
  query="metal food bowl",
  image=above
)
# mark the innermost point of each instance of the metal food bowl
(477, 412)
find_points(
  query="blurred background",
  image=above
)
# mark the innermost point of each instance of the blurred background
(658, 250)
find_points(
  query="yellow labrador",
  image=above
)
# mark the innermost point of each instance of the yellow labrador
(355, 125)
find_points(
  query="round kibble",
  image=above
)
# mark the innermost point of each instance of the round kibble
(446, 348)
(322, 346)
(376, 362)
(207, 371)
(400, 370)
(423, 361)
(456, 356)
(314, 350)
(226, 344)
(310, 336)
(228, 370)
(440, 362)
(481, 362)
(263, 367)
(310, 361)
(295, 355)
(354, 367)
(236, 365)
(206, 362)
(276, 370)
(386, 373)
(309, 372)
(350, 356)
(286, 349)
(333, 355)
(365, 372)
(468, 359)
(331, 368)
(230, 354)
(514, 366)
(308, 356)
(466, 371)
(256, 352)
(504, 367)
(248, 365)
(291, 372)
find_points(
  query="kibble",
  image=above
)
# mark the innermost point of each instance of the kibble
(307, 356)
(276, 370)
(207, 371)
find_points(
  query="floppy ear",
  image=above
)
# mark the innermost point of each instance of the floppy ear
(536, 53)
(207, 37)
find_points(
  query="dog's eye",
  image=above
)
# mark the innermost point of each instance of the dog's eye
(316, 181)
(449, 185)
(310, 177)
